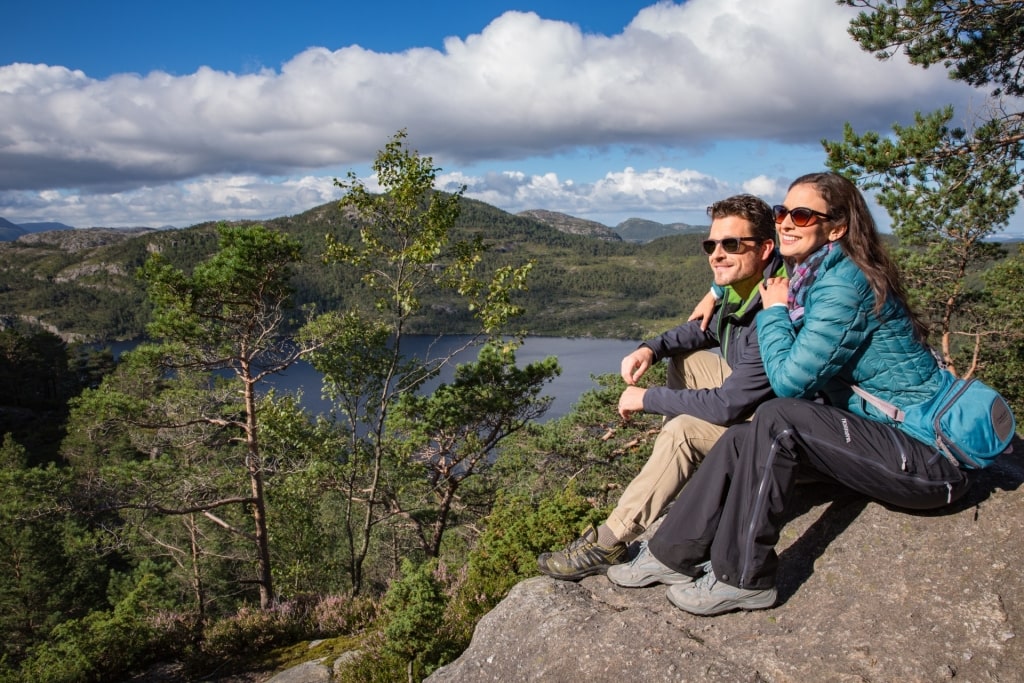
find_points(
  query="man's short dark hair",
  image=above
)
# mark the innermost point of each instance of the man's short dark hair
(749, 208)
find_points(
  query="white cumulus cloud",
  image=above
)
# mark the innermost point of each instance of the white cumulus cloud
(161, 148)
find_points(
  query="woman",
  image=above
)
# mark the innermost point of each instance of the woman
(841, 319)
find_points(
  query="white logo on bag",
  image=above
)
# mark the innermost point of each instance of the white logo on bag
(846, 429)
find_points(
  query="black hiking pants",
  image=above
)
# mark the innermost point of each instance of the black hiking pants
(731, 510)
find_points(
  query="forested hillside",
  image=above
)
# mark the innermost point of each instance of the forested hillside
(177, 510)
(82, 284)
(170, 508)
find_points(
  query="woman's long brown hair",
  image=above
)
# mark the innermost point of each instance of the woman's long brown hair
(862, 241)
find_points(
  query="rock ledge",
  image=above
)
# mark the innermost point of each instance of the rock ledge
(866, 593)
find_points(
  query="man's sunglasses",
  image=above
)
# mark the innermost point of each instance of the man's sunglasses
(730, 245)
(802, 216)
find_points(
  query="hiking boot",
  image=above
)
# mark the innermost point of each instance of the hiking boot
(582, 557)
(644, 570)
(707, 595)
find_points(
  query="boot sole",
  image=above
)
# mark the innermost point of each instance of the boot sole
(575, 576)
(651, 580)
(542, 566)
(750, 603)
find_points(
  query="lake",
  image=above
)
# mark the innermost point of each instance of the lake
(579, 358)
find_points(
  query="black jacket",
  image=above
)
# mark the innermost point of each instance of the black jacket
(733, 332)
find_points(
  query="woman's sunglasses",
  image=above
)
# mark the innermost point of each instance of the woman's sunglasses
(802, 216)
(730, 245)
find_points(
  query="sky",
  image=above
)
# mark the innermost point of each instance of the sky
(123, 114)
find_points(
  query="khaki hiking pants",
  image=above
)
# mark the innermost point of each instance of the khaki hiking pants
(680, 446)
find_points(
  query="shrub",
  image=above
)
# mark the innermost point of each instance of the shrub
(414, 607)
(375, 664)
(252, 630)
(102, 646)
(337, 615)
(517, 530)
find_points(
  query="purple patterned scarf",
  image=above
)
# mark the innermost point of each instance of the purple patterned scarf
(804, 275)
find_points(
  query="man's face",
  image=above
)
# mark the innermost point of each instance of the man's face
(743, 269)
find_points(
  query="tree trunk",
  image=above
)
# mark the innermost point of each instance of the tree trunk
(197, 576)
(259, 507)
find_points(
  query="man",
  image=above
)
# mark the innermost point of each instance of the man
(715, 379)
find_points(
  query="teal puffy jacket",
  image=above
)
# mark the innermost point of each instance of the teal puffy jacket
(840, 341)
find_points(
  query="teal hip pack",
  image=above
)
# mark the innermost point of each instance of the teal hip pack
(967, 420)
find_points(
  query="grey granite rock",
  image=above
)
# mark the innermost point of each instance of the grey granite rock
(308, 672)
(866, 593)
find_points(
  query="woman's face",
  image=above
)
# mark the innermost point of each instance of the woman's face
(796, 243)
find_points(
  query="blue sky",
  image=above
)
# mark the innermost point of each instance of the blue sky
(136, 113)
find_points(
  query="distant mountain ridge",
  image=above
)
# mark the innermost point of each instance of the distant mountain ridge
(11, 231)
(639, 230)
(643, 230)
(82, 282)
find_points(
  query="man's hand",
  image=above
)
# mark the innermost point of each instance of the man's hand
(636, 364)
(703, 311)
(631, 401)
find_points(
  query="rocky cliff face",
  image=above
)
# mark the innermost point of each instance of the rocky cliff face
(866, 593)
(79, 240)
(571, 224)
